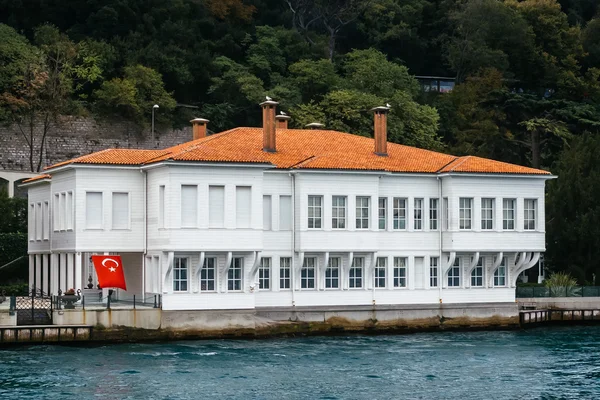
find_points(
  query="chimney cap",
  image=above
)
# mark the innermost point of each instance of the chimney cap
(314, 125)
(268, 103)
(199, 121)
(283, 117)
(381, 109)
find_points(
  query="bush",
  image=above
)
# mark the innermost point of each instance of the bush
(19, 289)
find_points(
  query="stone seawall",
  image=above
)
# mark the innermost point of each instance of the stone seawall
(75, 136)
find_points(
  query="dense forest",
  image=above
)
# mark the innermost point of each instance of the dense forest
(527, 78)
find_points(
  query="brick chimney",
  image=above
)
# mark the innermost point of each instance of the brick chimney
(380, 116)
(199, 128)
(268, 108)
(282, 120)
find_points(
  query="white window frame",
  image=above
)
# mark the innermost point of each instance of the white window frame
(508, 221)
(101, 227)
(186, 221)
(285, 273)
(39, 221)
(332, 273)
(530, 214)
(235, 275)
(55, 212)
(46, 222)
(128, 222)
(358, 265)
(205, 279)
(477, 274)
(178, 281)
(465, 213)
(380, 272)
(446, 214)
(400, 213)
(434, 212)
(487, 213)
(418, 214)
(362, 220)
(454, 274)
(264, 274)
(500, 279)
(31, 222)
(433, 271)
(382, 207)
(308, 274)
(338, 212)
(315, 212)
(400, 272)
(161, 206)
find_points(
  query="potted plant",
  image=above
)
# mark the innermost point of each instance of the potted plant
(69, 298)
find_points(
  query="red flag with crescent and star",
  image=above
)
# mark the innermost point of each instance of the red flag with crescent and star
(110, 271)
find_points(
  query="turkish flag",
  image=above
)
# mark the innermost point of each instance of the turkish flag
(110, 271)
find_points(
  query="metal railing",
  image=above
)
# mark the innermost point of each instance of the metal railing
(78, 301)
(564, 291)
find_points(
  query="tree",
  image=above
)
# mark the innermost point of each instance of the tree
(573, 227)
(134, 95)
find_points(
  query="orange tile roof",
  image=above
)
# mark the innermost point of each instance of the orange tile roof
(37, 178)
(306, 149)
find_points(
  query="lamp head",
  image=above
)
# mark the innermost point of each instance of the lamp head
(155, 106)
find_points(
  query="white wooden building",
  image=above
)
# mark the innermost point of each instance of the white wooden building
(278, 217)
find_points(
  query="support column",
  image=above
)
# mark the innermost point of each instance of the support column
(78, 272)
(54, 273)
(70, 278)
(46, 274)
(38, 272)
(31, 271)
(62, 272)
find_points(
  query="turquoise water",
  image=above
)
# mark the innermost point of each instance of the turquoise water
(557, 363)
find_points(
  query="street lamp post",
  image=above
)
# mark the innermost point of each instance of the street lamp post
(154, 107)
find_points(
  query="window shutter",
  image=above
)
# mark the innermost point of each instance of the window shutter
(93, 210)
(189, 206)
(216, 206)
(285, 213)
(161, 206)
(267, 213)
(120, 210)
(243, 206)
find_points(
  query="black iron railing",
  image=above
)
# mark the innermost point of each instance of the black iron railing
(563, 291)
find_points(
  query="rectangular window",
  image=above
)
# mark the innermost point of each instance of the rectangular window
(338, 212)
(267, 213)
(180, 274)
(399, 213)
(31, 221)
(62, 211)
(433, 214)
(418, 215)
(355, 280)
(332, 273)
(189, 206)
(161, 206)
(465, 212)
(285, 267)
(315, 212)
(264, 274)
(69, 211)
(529, 214)
(508, 214)
(477, 274)
(243, 206)
(487, 214)
(446, 215)
(362, 212)
(454, 274)
(433, 271)
(46, 221)
(208, 275)
(400, 271)
(285, 213)
(307, 274)
(216, 206)
(55, 220)
(500, 274)
(380, 269)
(234, 275)
(93, 210)
(38, 221)
(120, 210)
(382, 213)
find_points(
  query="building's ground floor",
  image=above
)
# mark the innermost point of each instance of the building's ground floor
(204, 280)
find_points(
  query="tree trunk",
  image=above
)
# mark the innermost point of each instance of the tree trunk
(43, 141)
(31, 144)
(535, 148)
(332, 35)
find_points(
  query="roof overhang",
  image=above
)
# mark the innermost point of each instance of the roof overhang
(496, 175)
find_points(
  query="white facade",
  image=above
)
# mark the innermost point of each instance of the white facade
(214, 236)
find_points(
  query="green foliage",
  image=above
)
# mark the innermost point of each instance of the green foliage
(560, 280)
(16, 289)
(12, 246)
(14, 214)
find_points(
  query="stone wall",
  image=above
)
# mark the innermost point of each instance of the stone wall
(73, 136)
